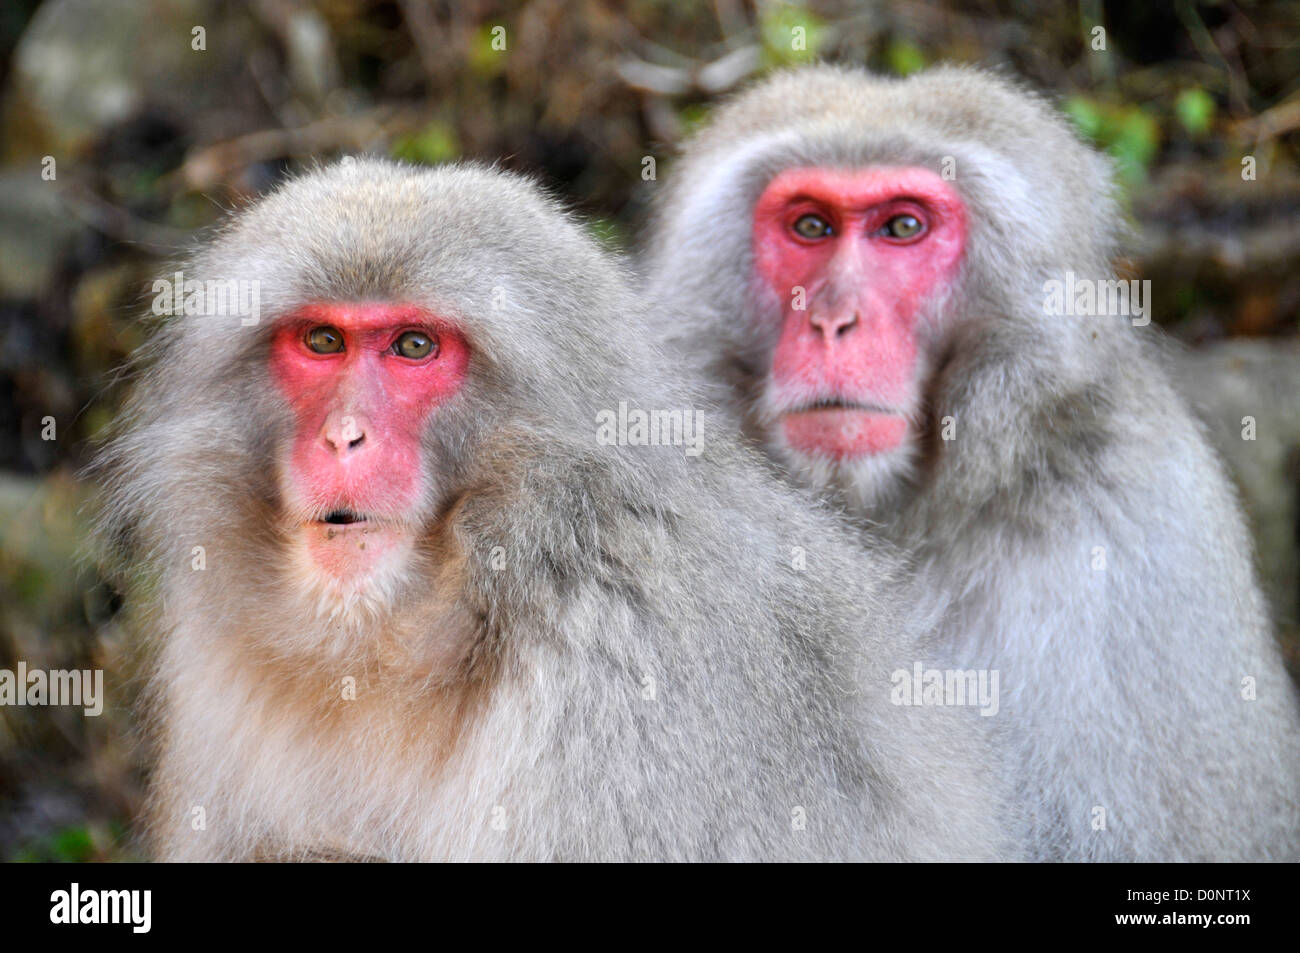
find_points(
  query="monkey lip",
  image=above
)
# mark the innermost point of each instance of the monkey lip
(348, 545)
(842, 430)
(835, 403)
(349, 524)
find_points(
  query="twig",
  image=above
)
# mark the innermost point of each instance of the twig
(116, 222)
(213, 164)
(712, 78)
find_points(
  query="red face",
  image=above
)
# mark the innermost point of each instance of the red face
(868, 248)
(362, 380)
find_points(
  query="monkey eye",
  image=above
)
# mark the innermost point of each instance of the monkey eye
(812, 226)
(903, 226)
(325, 340)
(415, 345)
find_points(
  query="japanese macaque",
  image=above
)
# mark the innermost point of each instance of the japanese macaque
(905, 289)
(417, 593)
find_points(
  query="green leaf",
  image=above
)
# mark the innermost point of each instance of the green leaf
(1086, 115)
(1195, 110)
(433, 144)
(1135, 141)
(1128, 133)
(791, 34)
(73, 845)
(693, 116)
(483, 60)
(905, 57)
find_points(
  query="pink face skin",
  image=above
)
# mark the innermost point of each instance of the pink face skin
(854, 344)
(355, 470)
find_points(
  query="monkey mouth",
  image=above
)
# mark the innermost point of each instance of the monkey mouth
(350, 547)
(344, 523)
(843, 430)
(342, 518)
(836, 403)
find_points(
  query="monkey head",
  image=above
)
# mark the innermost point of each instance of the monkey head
(840, 248)
(406, 347)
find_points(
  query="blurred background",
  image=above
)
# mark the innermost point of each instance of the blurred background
(129, 125)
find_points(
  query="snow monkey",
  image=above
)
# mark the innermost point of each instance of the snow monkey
(905, 288)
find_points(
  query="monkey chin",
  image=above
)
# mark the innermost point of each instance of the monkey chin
(353, 568)
(862, 457)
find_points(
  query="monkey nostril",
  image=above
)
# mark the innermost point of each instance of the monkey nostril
(343, 436)
(835, 326)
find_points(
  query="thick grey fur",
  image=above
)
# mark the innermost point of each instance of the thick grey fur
(622, 565)
(1124, 687)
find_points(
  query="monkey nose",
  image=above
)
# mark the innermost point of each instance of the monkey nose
(344, 433)
(834, 324)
